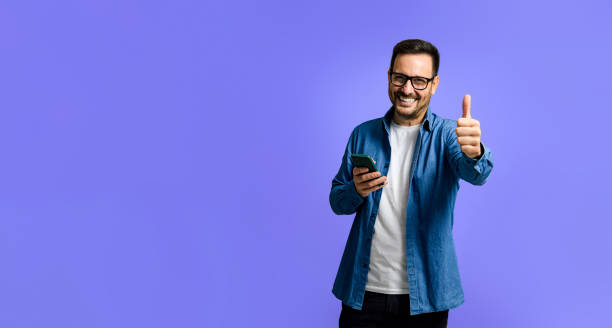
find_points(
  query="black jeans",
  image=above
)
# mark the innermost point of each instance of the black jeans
(383, 310)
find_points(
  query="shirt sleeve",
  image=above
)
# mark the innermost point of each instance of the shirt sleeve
(343, 196)
(473, 170)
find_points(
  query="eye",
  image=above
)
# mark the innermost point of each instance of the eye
(419, 82)
(400, 79)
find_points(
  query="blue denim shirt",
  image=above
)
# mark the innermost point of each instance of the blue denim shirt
(437, 165)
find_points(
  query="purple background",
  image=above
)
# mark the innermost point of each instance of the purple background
(168, 164)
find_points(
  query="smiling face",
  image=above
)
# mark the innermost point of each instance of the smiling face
(410, 104)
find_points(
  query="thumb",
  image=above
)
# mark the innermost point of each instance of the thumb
(467, 102)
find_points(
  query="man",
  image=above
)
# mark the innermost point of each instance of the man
(399, 266)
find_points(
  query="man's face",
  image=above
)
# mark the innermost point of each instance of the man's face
(417, 100)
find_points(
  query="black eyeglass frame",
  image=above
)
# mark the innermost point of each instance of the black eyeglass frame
(409, 78)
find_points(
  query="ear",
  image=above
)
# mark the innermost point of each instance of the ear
(434, 84)
(389, 75)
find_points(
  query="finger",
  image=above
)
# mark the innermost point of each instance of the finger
(368, 176)
(467, 102)
(467, 131)
(467, 122)
(369, 190)
(469, 149)
(363, 183)
(357, 178)
(361, 178)
(374, 182)
(371, 176)
(358, 170)
(468, 141)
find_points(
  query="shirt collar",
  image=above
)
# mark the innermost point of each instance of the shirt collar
(426, 122)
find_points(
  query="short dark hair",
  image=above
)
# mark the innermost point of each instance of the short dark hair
(416, 46)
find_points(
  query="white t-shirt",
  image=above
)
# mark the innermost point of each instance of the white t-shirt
(388, 272)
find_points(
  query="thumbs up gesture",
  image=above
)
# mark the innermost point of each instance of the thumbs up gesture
(468, 131)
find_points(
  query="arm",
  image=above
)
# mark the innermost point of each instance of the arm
(343, 196)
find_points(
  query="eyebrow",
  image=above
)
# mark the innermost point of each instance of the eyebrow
(409, 75)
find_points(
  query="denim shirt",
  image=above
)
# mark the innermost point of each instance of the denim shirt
(437, 165)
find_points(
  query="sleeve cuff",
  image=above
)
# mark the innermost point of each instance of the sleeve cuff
(356, 198)
(478, 163)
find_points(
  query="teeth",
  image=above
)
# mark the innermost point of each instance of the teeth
(408, 100)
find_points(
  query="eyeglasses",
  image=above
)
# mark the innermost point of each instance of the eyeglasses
(418, 83)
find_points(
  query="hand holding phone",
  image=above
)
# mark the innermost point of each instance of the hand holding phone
(365, 175)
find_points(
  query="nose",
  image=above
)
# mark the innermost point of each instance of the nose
(407, 88)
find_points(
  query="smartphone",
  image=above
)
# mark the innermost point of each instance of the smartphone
(362, 160)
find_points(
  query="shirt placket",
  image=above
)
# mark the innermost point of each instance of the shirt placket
(410, 242)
